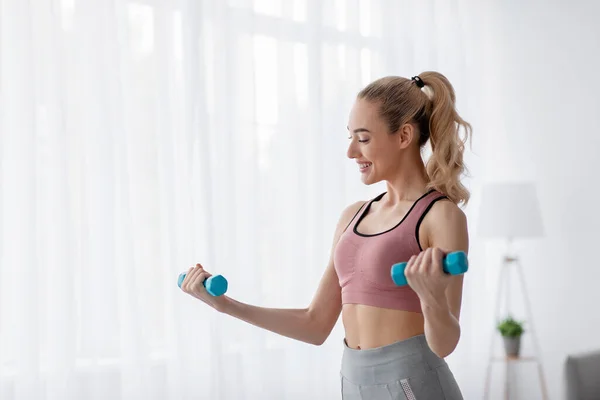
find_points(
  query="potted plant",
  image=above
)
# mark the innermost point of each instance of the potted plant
(511, 331)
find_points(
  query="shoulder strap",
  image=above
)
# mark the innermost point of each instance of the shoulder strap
(352, 219)
(422, 208)
(365, 207)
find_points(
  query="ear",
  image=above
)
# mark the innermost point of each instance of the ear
(405, 135)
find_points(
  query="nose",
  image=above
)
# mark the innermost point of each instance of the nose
(352, 151)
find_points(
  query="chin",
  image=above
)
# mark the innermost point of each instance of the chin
(368, 180)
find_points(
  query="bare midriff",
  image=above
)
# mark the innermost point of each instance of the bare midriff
(368, 327)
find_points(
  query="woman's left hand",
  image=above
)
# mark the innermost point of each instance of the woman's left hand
(425, 275)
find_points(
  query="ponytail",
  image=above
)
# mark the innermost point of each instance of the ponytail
(445, 165)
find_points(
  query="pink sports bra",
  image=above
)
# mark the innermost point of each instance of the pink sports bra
(363, 261)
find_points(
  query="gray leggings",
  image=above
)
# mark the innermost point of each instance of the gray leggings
(405, 370)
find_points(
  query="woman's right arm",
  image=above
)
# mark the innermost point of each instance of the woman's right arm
(312, 324)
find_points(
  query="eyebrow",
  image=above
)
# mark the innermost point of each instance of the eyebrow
(358, 130)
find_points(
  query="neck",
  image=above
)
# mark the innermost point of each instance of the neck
(409, 183)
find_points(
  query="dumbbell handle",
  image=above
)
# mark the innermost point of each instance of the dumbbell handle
(454, 263)
(215, 285)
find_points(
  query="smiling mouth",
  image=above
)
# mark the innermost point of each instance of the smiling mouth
(364, 166)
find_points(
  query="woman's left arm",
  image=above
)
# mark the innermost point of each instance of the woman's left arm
(440, 294)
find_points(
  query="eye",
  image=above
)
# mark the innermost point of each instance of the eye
(359, 140)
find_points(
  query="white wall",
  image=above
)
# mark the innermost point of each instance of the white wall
(541, 96)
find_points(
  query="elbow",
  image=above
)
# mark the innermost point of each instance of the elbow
(318, 338)
(445, 351)
(443, 354)
(443, 347)
(319, 332)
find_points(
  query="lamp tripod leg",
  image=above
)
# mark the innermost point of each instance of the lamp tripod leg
(532, 329)
(499, 291)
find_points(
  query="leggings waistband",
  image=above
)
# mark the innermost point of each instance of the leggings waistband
(398, 359)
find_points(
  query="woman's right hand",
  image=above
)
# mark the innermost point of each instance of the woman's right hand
(193, 284)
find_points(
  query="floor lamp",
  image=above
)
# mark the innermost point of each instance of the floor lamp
(510, 211)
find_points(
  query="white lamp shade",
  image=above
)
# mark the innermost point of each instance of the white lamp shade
(510, 210)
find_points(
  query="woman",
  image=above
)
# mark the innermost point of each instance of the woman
(396, 338)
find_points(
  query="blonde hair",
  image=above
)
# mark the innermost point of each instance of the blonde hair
(428, 101)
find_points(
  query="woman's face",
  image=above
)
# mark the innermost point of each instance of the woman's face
(375, 150)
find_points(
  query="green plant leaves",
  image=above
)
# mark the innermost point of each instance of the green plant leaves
(510, 327)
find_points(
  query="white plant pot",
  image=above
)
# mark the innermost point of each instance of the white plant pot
(512, 346)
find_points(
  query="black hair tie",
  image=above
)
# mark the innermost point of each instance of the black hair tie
(419, 81)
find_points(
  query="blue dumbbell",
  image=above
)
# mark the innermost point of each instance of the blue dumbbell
(215, 285)
(454, 263)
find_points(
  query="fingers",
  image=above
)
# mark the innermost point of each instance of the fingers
(193, 282)
(189, 277)
(186, 280)
(410, 265)
(426, 263)
(413, 266)
(437, 256)
(197, 285)
(421, 262)
(411, 262)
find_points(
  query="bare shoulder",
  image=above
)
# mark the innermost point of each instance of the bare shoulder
(350, 211)
(446, 226)
(447, 212)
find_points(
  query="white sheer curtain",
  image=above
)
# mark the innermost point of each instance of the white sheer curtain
(141, 137)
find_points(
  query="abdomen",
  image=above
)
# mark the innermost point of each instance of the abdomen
(369, 327)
